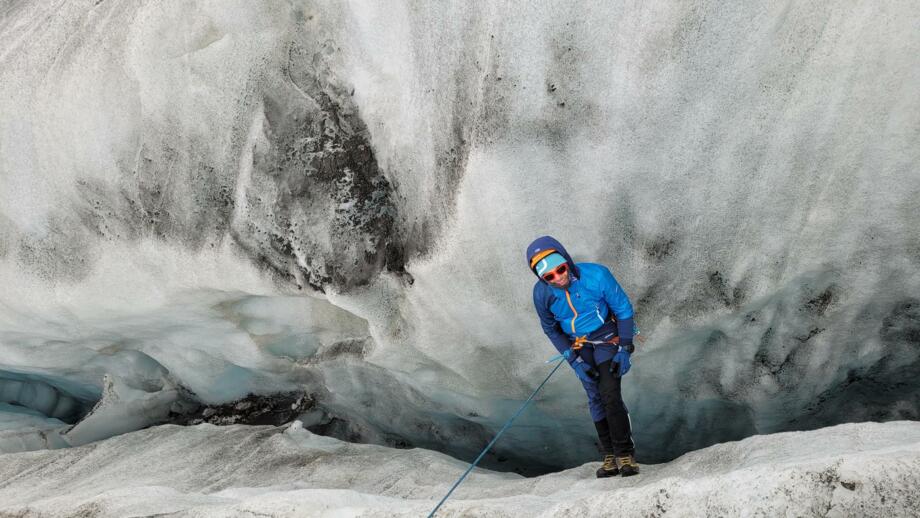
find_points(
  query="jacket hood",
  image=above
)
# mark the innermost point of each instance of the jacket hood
(549, 242)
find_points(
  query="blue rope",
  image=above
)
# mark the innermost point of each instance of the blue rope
(481, 455)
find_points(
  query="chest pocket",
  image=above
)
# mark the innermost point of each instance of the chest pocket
(587, 298)
(587, 302)
(561, 310)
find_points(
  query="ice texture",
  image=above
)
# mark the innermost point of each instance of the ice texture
(233, 197)
(866, 469)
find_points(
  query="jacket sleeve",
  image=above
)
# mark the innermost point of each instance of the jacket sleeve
(548, 322)
(616, 299)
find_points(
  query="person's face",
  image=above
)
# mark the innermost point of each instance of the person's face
(559, 277)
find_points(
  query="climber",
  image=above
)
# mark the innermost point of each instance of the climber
(588, 318)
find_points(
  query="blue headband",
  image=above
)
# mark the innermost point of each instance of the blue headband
(549, 263)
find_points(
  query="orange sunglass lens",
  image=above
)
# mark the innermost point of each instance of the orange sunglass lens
(559, 271)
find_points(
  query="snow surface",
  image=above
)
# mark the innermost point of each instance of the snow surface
(867, 469)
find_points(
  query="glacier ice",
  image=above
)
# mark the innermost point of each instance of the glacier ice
(866, 469)
(33, 393)
(230, 198)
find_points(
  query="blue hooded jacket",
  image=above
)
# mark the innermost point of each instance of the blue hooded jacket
(586, 305)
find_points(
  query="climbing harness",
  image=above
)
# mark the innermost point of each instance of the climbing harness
(489, 446)
(580, 341)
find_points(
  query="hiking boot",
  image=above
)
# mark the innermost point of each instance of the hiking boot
(609, 469)
(627, 466)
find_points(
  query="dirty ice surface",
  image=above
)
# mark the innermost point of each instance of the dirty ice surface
(866, 469)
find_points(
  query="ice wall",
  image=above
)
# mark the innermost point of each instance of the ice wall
(749, 173)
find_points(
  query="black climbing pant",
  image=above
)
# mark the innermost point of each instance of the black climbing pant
(617, 424)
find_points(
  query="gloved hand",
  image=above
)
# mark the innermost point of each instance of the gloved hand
(584, 371)
(568, 355)
(620, 364)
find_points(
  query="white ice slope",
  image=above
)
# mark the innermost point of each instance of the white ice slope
(867, 469)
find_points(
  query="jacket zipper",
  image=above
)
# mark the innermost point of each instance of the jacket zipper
(569, 300)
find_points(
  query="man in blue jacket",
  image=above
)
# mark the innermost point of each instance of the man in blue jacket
(588, 318)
